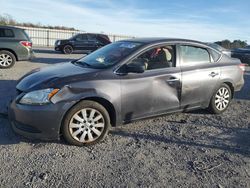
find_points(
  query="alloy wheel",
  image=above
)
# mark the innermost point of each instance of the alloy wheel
(86, 125)
(222, 98)
(67, 49)
(5, 60)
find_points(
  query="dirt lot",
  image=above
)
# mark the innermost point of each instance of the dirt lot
(193, 149)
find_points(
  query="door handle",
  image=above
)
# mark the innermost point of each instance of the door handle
(172, 79)
(213, 74)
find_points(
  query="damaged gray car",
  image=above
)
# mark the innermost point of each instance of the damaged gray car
(120, 83)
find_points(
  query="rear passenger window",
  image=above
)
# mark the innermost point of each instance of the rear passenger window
(81, 37)
(194, 55)
(6, 33)
(91, 37)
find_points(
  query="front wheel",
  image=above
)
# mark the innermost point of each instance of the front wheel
(87, 123)
(221, 99)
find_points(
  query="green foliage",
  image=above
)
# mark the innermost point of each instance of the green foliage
(235, 44)
(6, 19)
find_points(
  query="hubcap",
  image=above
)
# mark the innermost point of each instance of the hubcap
(222, 98)
(68, 49)
(5, 60)
(86, 125)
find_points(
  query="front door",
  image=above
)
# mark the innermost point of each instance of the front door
(81, 42)
(155, 91)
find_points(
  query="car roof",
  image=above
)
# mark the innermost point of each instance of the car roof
(159, 40)
(94, 34)
(8, 27)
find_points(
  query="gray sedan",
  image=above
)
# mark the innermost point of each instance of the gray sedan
(123, 82)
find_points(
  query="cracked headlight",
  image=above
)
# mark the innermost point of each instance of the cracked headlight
(38, 97)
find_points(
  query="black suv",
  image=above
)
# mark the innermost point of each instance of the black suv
(87, 42)
(243, 54)
(15, 45)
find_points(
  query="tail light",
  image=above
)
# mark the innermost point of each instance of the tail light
(26, 44)
(242, 67)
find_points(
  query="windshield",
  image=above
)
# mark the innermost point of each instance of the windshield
(71, 38)
(109, 55)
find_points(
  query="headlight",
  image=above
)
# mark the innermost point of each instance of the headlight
(58, 42)
(38, 97)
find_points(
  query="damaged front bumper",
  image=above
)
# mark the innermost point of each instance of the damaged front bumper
(38, 121)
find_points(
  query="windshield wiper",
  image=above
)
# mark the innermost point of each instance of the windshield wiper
(82, 63)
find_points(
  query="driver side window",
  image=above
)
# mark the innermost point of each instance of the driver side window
(159, 57)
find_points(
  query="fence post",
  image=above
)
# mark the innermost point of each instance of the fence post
(48, 38)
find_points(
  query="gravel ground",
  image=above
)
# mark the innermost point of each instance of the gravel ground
(193, 149)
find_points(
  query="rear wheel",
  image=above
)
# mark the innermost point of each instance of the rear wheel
(221, 99)
(67, 49)
(7, 59)
(86, 123)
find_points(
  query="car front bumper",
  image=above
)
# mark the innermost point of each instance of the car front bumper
(58, 47)
(37, 122)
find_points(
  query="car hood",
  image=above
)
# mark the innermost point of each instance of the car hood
(63, 41)
(55, 76)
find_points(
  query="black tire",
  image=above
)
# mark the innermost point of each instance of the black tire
(7, 59)
(83, 131)
(214, 104)
(67, 49)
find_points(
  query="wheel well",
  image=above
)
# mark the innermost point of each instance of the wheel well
(13, 52)
(68, 44)
(105, 103)
(231, 87)
(108, 106)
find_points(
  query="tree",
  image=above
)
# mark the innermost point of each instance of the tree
(7, 19)
(229, 45)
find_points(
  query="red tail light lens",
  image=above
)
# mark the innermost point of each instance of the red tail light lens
(242, 67)
(26, 43)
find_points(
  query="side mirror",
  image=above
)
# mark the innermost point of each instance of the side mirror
(136, 66)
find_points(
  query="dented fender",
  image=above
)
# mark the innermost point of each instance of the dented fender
(69, 93)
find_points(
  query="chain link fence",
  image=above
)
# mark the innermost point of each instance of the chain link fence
(47, 37)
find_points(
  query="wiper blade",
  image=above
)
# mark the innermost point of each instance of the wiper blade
(82, 63)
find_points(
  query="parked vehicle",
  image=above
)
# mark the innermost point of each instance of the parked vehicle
(220, 48)
(243, 54)
(122, 82)
(15, 45)
(87, 42)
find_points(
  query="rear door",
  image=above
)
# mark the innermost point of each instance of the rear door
(9, 39)
(155, 91)
(199, 75)
(81, 42)
(92, 42)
